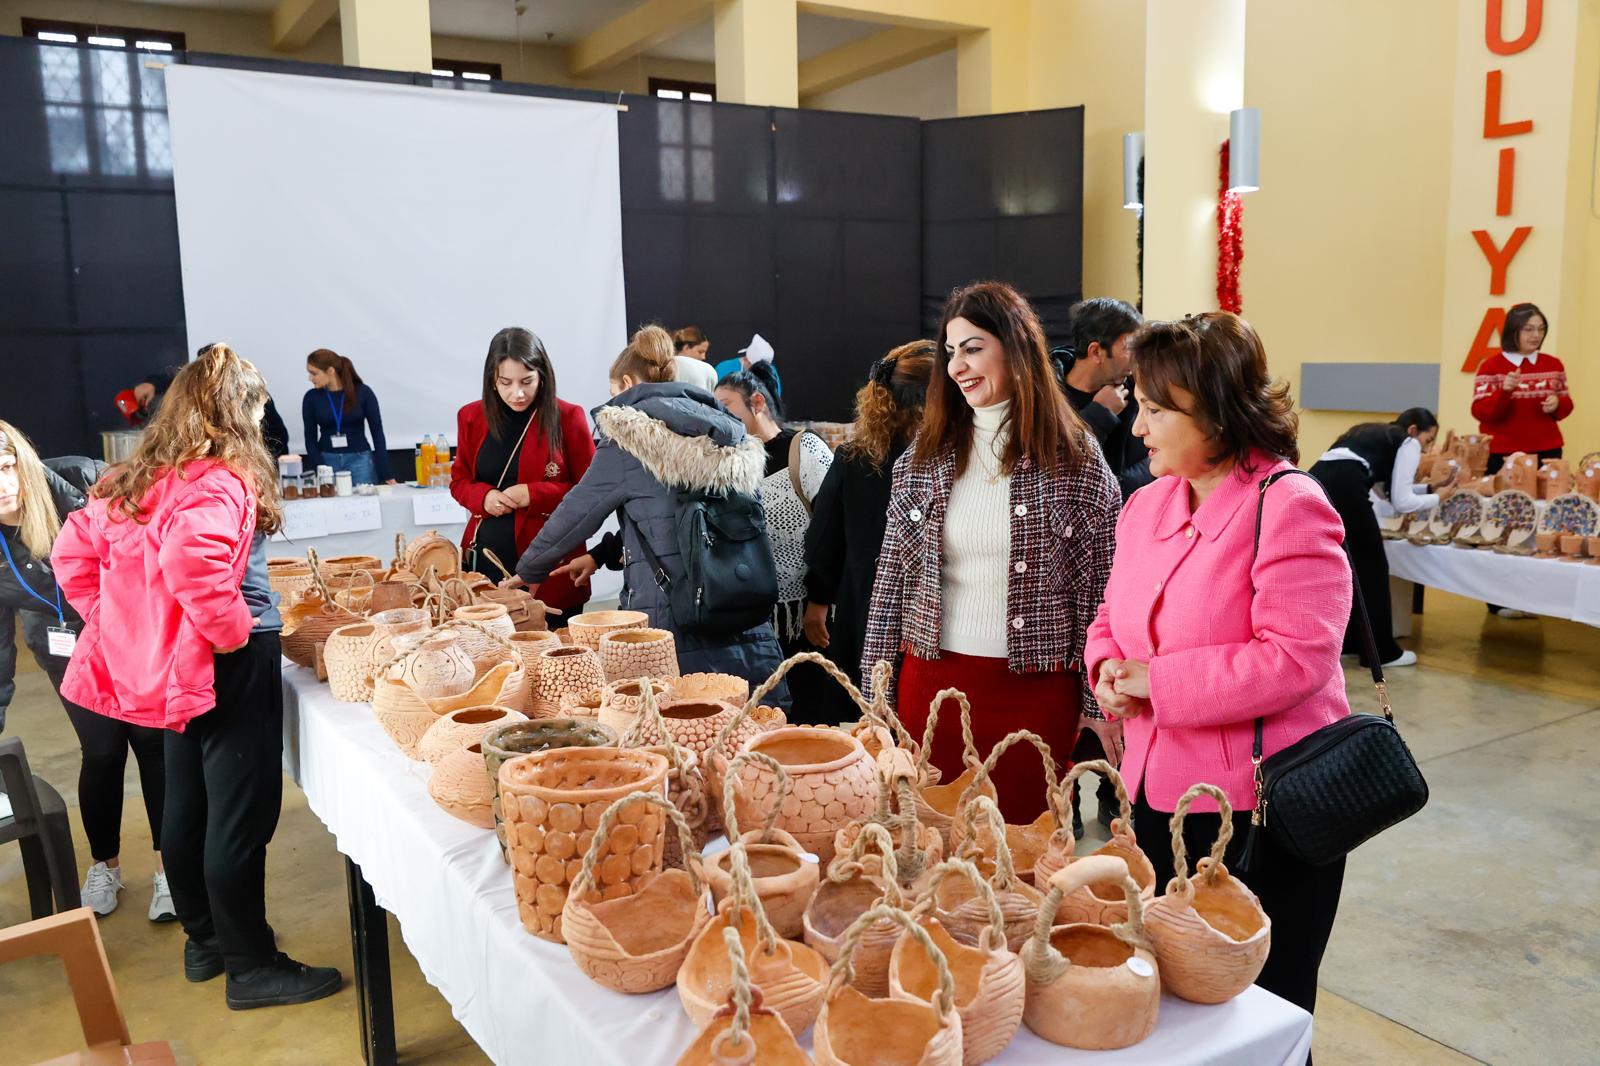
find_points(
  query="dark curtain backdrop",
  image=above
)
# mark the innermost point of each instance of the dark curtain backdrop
(836, 236)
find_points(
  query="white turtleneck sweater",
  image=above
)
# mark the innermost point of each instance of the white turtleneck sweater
(977, 544)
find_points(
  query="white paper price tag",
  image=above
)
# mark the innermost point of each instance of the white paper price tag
(353, 514)
(302, 520)
(430, 509)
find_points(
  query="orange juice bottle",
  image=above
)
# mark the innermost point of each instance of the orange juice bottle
(424, 460)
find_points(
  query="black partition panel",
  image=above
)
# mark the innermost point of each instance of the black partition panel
(1003, 198)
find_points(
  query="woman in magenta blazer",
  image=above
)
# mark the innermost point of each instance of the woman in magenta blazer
(1199, 635)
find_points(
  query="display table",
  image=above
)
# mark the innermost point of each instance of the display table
(521, 998)
(1550, 587)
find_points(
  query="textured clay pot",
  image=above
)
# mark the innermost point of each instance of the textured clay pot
(832, 782)
(458, 786)
(348, 654)
(562, 669)
(587, 629)
(627, 653)
(457, 729)
(621, 702)
(480, 645)
(963, 912)
(582, 704)
(846, 894)
(521, 738)
(528, 644)
(695, 724)
(552, 799)
(405, 724)
(437, 667)
(715, 688)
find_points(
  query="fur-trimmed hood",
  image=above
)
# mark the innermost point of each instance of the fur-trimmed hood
(684, 438)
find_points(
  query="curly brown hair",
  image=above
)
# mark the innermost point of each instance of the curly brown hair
(889, 406)
(211, 410)
(1219, 360)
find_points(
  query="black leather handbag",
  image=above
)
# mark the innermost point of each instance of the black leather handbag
(1331, 791)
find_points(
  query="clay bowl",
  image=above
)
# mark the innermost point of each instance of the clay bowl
(641, 652)
(725, 688)
(964, 915)
(459, 728)
(792, 979)
(1099, 1003)
(587, 629)
(832, 782)
(775, 1044)
(1028, 844)
(784, 881)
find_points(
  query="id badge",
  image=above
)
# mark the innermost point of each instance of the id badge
(338, 440)
(61, 641)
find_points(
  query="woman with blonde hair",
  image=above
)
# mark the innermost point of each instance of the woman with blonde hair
(34, 500)
(168, 564)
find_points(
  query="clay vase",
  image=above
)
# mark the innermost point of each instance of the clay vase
(695, 723)
(711, 688)
(290, 579)
(520, 738)
(459, 787)
(587, 629)
(937, 803)
(492, 616)
(621, 702)
(550, 798)
(1026, 842)
(846, 894)
(634, 942)
(832, 779)
(1099, 903)
(1091, 987)
(853, 1030)
(990, 984)
(632, 653)
(1209, 932)
(958, 907)
(455, 730)
(348, 655)
(562, 669)
(582, 704)
(686, 782)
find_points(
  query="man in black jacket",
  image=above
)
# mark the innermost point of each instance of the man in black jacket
(1096, 380)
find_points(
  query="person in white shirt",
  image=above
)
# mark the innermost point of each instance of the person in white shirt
(1378, 458)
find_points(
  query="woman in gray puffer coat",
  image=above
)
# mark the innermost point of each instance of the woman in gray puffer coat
(658, 436)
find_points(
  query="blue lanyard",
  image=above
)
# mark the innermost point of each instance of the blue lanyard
(60, 617)
(338, 413)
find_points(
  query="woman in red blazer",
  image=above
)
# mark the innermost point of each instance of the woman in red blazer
(518, 451)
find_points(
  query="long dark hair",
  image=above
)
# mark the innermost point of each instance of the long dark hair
(759, 378)
(1044, 426)
(349, 380)
(525, 347)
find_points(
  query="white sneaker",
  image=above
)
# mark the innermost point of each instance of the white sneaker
(1406, 658)
(100, 888)
(161, 909)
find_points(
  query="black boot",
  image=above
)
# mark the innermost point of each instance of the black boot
(281, 983)
(1105, 795)
(1077, 816)
(202, 959)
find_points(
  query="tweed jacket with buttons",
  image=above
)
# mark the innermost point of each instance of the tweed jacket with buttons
(1063, 537)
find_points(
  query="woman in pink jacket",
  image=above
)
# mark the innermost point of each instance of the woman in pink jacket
(167, 565)
(1200, 633)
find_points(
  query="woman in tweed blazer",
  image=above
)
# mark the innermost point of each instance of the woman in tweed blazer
(997, 547)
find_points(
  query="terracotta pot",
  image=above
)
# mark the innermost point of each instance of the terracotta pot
(853, 1030)
(765, 1038)
(846, 894)
(1546, 543)
(521, 738)
(390, 596)
(396, 699)
(634, 653)
(495, 622)
(394, 623)
(1209, 932)
(562, 669)
(1027, 842)
(344, 564)
(1572, 545)
(958, 907)
(582, 704)
(458, 786)
(455, 730)
(289, 581)
(432, 552)
(990, 985)
(528, 645)
(1091, 987)
(621, 702)
(1060, 848)
(833, 782)
(937, 804)
(712, 688)
(696, 723)
(405, 723)
(550, 798)
(587, 629)
(784, 880)
(348, 654)
(315, 622)
(1593, 544)
(634, 942)
(437, 667)
(790, 975)
(686, 781)
(1102, 904)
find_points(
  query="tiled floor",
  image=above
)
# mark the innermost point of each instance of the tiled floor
(1467, 934)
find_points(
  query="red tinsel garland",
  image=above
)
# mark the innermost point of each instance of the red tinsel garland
(1230, 240)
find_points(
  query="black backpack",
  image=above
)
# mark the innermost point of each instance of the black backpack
(729, 582)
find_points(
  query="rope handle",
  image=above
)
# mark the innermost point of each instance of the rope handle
(742, 895)
(844, 970)
(650, 712)
(730, 777)
(400, 657)
(778, 675)
(329, 604)
(608, 822)
(1064, 798)
(1044, 963)
(488, 553)
(844, 867)
(994, 934)
(986, 769)
(969, 747)
(1005, 874)
(739, 995)
(882, 677)
(1209, 871)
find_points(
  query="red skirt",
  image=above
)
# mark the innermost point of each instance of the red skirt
(1002, 702)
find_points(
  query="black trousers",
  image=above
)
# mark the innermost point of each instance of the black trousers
(816, 698)
(1301, 899)
(1345, 482)
(224, 791)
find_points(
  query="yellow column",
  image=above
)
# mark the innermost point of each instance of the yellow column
(758, 56)
(1193, 77)
(386, 34)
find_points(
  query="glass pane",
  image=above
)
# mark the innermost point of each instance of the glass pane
(152, 86)
(700, 123)
(703, 175)
(111, 78)
(116, 142)
(673, 179)
(157, 145)
(669, 123)
(61, 73)
(69, 147)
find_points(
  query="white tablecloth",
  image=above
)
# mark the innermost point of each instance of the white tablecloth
(1550, 587)
(522, 999)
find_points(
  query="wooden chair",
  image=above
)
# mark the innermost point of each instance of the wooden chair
(74, 936)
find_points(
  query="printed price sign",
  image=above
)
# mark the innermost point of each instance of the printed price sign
(353, 514)
(302, 520)
(430, 509)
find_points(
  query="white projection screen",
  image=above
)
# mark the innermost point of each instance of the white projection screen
(399, 226)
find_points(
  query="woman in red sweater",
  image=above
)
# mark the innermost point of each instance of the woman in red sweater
(518, 452)
(1521, 393)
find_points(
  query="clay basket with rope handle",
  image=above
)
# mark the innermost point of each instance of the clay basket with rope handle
(1027, 842)
(783, 875)
(938, 804)
(959, 909)
(744, 1032)
(847, 892)
(1098, 903)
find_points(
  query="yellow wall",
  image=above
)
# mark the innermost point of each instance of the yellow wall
(1580, 281)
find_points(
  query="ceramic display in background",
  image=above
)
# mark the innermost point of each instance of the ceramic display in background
(563, 668)
(459, 787)
(460, 728)
(632, 653)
